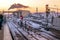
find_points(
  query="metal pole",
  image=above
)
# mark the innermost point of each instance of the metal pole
(57, 12)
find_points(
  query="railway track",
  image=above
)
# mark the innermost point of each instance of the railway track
(47, 34)
(15, 33)
(33, 34)
(27, 34)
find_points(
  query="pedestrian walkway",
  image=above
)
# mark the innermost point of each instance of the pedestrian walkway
(5, 33)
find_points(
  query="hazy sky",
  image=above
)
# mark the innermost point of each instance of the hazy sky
(5, 4)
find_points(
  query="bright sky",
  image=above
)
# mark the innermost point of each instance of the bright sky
(5, 4)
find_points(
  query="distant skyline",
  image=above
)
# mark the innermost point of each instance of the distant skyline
(5, 4)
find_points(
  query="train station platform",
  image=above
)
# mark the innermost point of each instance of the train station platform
(5, 33)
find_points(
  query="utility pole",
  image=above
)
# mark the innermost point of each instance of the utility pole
(36, 10)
